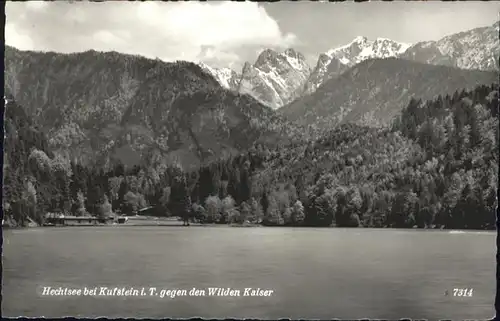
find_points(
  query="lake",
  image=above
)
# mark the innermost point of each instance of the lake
(313, 273)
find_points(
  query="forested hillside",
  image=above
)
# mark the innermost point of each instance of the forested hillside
(27, 158)
(373, 92)
(102, 109)
(436, 167)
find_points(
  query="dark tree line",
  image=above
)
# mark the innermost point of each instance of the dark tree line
(436, 167)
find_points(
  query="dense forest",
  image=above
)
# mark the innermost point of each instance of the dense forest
(435, 167)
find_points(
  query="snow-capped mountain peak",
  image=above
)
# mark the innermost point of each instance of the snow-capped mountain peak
(226, 77)
(361, 49)
(337, 60)
(360, 39)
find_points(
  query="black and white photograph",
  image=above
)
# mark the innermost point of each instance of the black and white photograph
(265, 160)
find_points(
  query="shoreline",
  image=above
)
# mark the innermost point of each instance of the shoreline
(151, 221)
(199, 225)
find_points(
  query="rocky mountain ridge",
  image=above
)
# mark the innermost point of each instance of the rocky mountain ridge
(472, 49)
(478, 48)
(275, 79)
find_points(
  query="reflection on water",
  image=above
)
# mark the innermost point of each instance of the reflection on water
(314, 273)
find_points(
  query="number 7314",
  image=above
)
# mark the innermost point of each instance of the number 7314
(463, 292)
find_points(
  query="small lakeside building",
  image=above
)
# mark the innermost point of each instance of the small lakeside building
(61, 219)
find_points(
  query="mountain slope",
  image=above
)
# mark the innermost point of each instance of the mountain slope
(332, 63)
(478, 48)
(374, 91)
(98, 108)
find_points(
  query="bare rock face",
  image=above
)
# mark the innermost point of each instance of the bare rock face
(275, 79)
(326, 68)
(478, 48)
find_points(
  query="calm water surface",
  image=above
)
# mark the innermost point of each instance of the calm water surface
(315, 273)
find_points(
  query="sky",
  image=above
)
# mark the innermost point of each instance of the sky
(226, 34)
